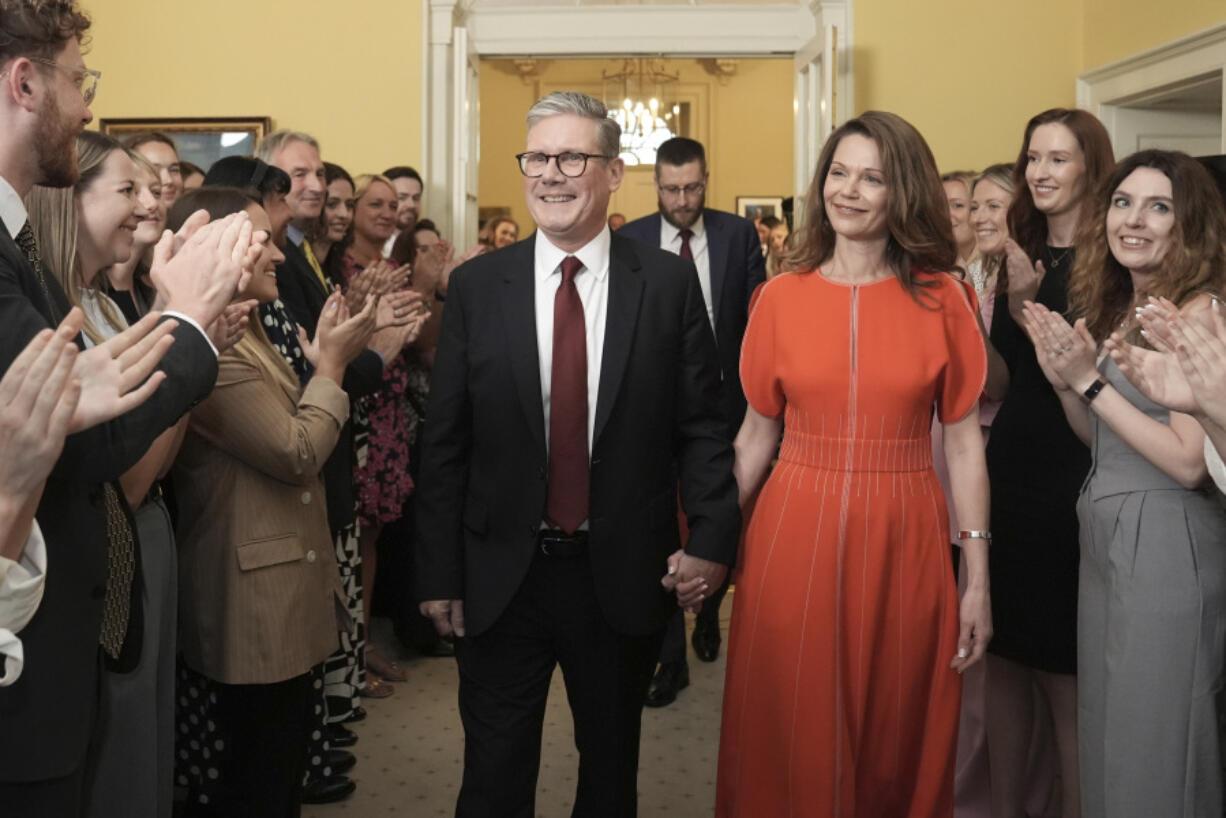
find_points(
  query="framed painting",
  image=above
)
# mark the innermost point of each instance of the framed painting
(201, 141)
(756, 207)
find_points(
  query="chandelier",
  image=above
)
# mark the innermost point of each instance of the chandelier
(642, 99)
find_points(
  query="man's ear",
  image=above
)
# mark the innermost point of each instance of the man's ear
(617, 169)
(21, 83)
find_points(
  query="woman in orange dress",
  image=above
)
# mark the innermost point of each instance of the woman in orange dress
(847, 636)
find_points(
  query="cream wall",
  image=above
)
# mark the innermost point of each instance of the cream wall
(968, 74)
(1115, 29)
(744, 122)
(349, 75)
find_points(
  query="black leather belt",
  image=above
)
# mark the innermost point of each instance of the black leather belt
(559, 544)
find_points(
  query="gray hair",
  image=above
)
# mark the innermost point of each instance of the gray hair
(272, 144)
(608, 132)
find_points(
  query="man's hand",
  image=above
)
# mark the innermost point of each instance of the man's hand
(211, 265)
(38, 397)
(113, 374)
(447, 616)
(693, 579)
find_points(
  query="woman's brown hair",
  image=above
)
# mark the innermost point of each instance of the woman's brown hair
(917, 212)
(1101, 288)
(1027, 224)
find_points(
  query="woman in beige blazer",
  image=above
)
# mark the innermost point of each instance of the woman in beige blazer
(259, 595)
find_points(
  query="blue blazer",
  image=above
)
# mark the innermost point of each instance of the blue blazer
(737, 268)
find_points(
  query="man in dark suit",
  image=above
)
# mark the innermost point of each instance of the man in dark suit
(726, 254)
(51, 714)
(575, 383)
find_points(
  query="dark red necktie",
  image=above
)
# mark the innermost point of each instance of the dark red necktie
(567, 491)
(686, 252)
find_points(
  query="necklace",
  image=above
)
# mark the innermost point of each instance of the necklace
(1051, 256)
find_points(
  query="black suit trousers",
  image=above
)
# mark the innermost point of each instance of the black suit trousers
(505, 672)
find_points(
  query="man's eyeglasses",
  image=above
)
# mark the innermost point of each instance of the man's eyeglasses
(87, 81)
(674, 191)
(571, 164)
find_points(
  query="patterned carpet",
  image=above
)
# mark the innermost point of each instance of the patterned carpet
(411, 746)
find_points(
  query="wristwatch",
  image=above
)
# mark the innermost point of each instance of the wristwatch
(1093, 389)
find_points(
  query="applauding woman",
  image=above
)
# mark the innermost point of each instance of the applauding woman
(847, 636)
(1152, 606)
(259, 584)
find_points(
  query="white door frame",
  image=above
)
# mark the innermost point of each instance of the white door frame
(815, 35)
(1102, 91)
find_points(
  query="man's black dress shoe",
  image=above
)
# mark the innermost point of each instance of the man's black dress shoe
(671, 678)
(340, 761)
(705, 640)
(358, 714)
(327, 790)
(338, 735)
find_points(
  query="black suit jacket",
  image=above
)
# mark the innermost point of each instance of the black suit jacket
(304, 296)
(737, 268)
(51, 707)
(481, 495)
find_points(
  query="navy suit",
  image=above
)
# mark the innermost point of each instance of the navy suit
(737, 268)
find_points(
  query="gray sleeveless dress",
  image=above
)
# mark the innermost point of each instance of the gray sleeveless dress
(1151, 632)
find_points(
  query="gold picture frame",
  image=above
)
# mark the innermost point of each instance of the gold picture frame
(201, 140)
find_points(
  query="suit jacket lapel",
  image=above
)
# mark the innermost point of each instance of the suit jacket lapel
(519, 319)
(717, 258)
(625, 295)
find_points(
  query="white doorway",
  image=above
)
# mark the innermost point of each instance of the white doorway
(817, 34)
(1171, 97)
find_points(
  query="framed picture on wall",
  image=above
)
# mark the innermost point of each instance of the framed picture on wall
(756, 207)
(201, 141)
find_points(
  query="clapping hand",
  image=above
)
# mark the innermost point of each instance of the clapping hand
(115, 376)
(692, 579)
(340, 336)
(231, 325)
(378, 279)
(1065, 354)
(198, 271)
(1024, 278)
(38, 397)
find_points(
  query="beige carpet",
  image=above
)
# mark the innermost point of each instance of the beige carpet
(411, 744)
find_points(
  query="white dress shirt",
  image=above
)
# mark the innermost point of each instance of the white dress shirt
(21, 590)
(670, 240)
(592, 282)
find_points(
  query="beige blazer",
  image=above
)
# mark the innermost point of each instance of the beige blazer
(260, 596)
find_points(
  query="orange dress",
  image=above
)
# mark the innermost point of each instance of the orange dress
(839, 701)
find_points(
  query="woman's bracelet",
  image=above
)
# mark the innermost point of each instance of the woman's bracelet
(974, 534)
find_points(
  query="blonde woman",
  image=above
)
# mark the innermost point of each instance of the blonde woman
(958, 185)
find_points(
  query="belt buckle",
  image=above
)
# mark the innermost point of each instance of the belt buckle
(548, 539)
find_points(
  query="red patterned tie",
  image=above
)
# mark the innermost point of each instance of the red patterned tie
(686, 252)
(567, 491)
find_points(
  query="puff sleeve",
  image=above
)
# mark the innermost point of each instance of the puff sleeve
(966, 363)
(759, 373)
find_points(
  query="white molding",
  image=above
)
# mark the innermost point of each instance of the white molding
(1103, 90)
(710, 30)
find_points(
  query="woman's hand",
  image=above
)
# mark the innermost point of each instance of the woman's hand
(975, 618)
(1065, 354)
(340, 336)
(1024, 278)
(1201, 354)
(1156, 375)
(231, 325)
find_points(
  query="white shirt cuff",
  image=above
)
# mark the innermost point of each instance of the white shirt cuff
(178, 316)
(21, 591)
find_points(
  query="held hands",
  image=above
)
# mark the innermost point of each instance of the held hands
(1066, 354)
(447, 616)
(975, 618)
(198, 270)
(38, 397)
(692, 579)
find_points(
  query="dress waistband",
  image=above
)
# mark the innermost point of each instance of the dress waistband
(856, 454)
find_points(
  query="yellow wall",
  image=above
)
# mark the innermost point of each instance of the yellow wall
(353, 80)
(745, 124)
(1115, 29)
(968, 74)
